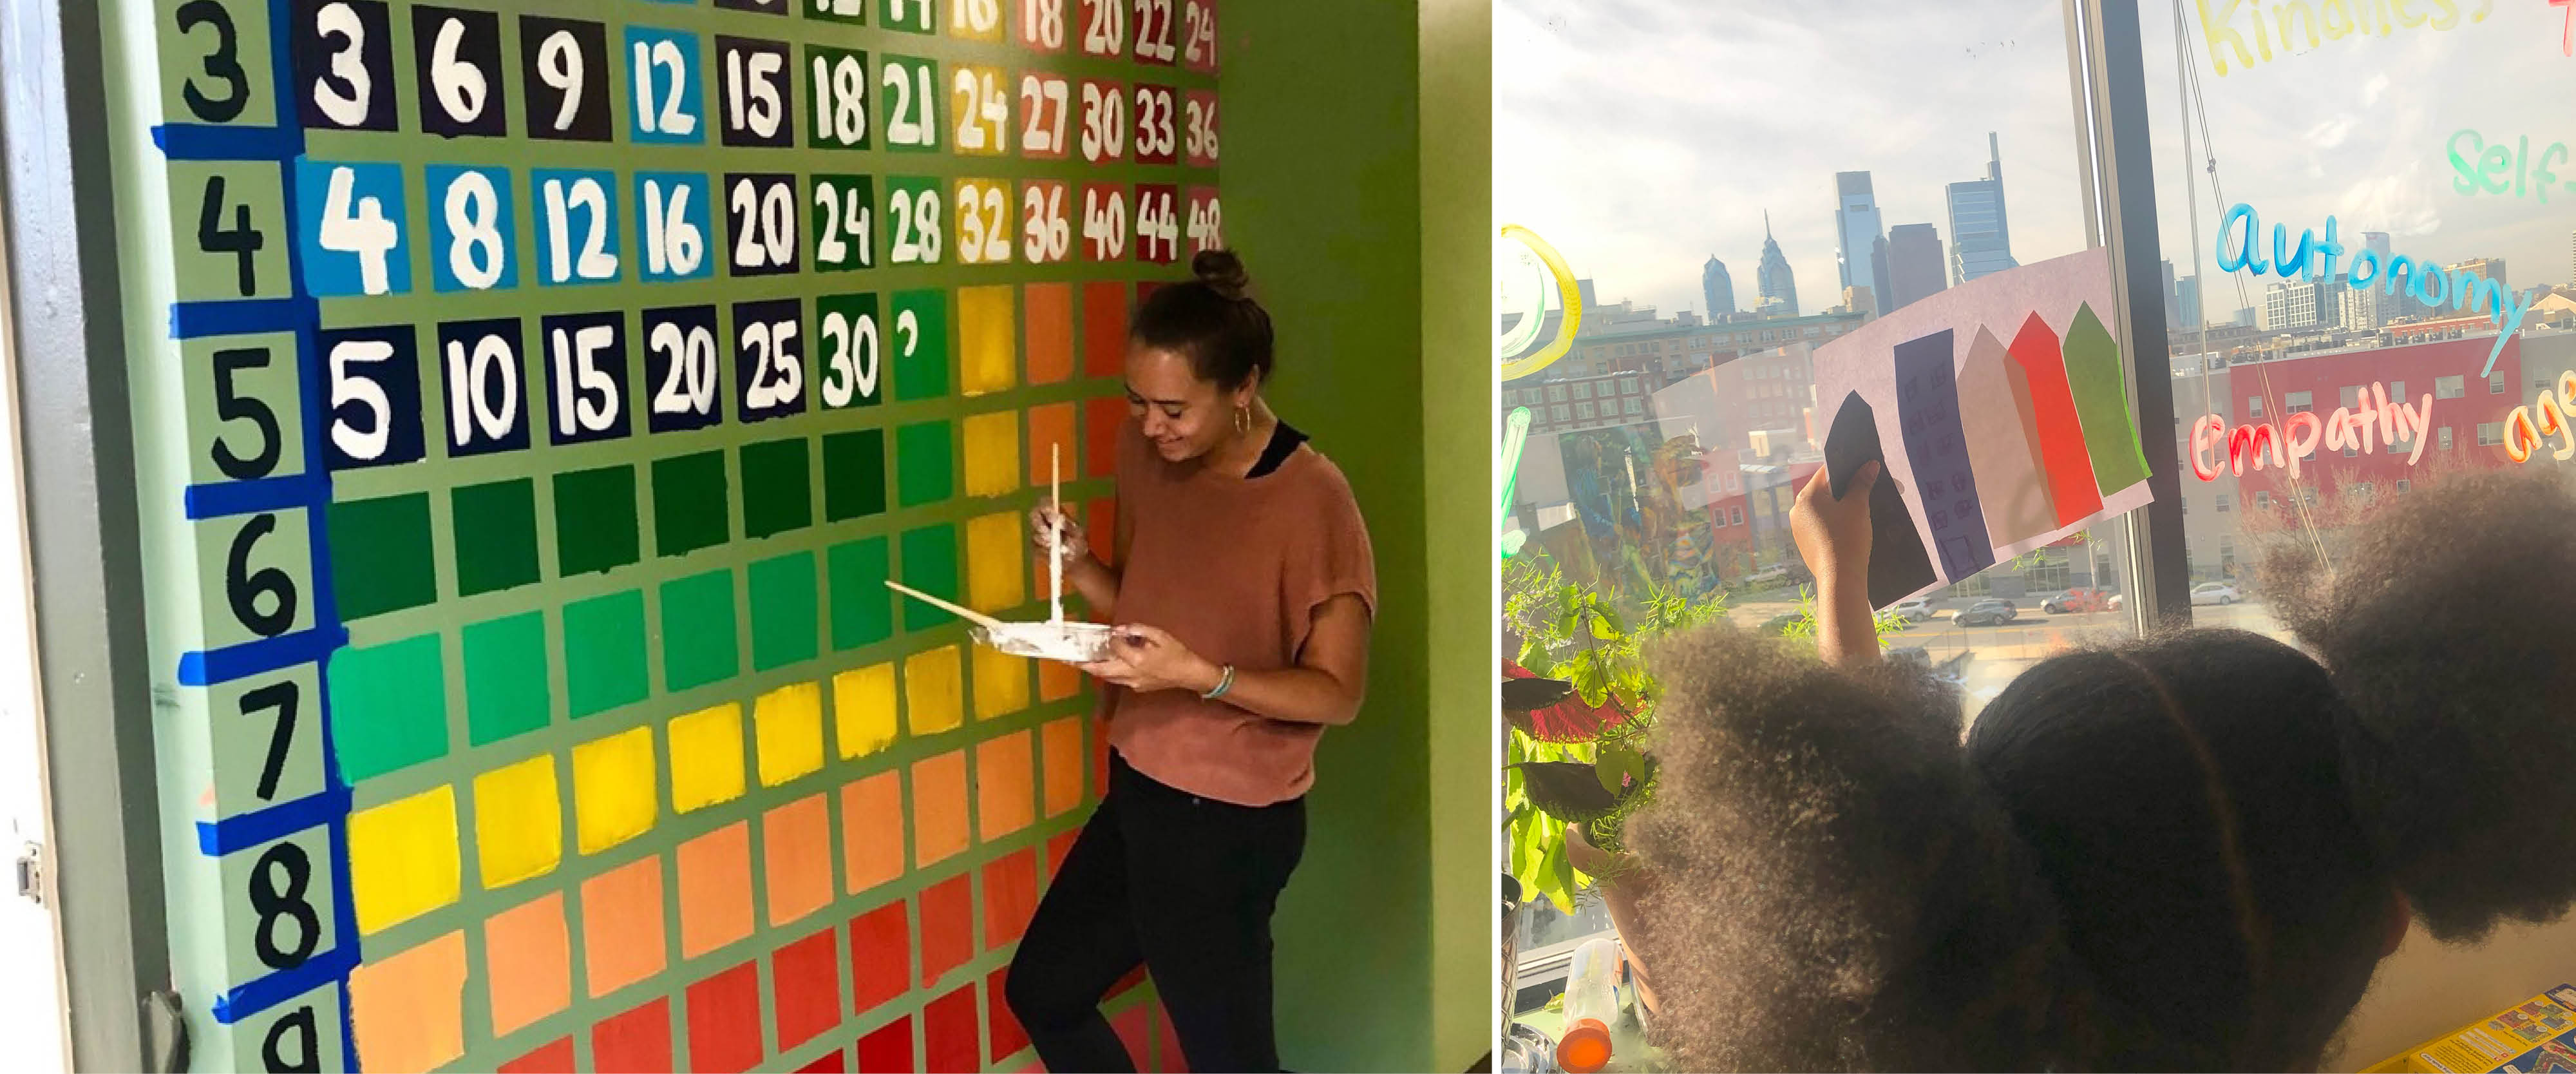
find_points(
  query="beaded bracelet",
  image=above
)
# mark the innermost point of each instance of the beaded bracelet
(1224, 683)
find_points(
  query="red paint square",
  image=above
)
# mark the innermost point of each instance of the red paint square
(1057, 846)
(1133, 1029)
(1101, 419)
(724, 1021)
(1168, 1042)
(888, 1050)
(947, 927)
(805, 976)
(1008, 1036)
(1104, 328)
(1010, 898)
(880, 956)
(948, 1032)
(555, 1058)
(636, 1042)
(835, 1061)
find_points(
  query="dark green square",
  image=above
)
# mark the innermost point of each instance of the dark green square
(862, 607)
(604, 663)
(854, 474)
(777, 487)
(505, 678)
(785, 618)
(388, 706)
(919, 344)
(594, 520)
(690, 508)
(496, 535)
(925, 462)
(930, 565)
(380, 555)
(700, 642)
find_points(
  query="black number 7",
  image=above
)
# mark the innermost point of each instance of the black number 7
(241, 240)
(281, 696)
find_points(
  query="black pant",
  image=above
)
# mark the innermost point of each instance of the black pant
(1184, 884)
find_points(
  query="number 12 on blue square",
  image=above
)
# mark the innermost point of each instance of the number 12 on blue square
(351, 228)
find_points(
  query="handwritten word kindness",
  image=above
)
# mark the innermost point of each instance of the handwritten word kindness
(2379, 420)
(2297, 20)
(2425, 280)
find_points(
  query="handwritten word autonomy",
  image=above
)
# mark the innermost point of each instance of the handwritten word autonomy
(2335, 18)
(2379, 420)
(2423, 279)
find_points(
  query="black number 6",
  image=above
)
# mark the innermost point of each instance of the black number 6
(243, 586)
(231, 405)
(223, 64)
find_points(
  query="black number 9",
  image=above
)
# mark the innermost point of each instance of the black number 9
(243, 586)
(223, 64)
(299, 1026)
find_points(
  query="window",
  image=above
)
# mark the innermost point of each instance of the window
(1811, 332)
(2262, 501)
(2401, 486)
(2495, 385)
(1557, 412)
(1583, 410)
(2298, 402)
(1738, 512)
(2397, 390)
(2364, 490)
(2450, 387)
(1556, 394)
(2308, 497)
(1719, 514)
(1768, 335)
(2351, 396)
(2351, 452)
(2222, 503)
(1636, 405)
(2253, 407)
(2446, 436)
(1627, 385)
(1583, 390)
(2490, 433)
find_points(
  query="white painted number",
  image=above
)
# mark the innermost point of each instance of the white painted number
(1042, 23)
(349, 108)
(846, 220)
(850, 356)
(983, 223)
(1042, 108)
(1104, 222)
(766, 235)
(1104, 123)
(1199, 25)
(673, 245)
(690, 385)
(1046, 234)
(668, 117)
(1105, 33)
(755, 78)
(1154, 137)
(1202, 133)
(595, 262)
(982, 112)
(460, 85)
(559, 64)
(916, 227)
(904, 127)
(475, 255)
(841, 99)
(475, 379)
(349, 386)
(1158, 225)
(981, 18)
(364, 232)
(777, 379)
(578, 377)
(1154, 30)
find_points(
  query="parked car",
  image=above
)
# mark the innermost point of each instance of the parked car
(2075, 601)
(1914, 609)
(2215, 593)
(1992, 611)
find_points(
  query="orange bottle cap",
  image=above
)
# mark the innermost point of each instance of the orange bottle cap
(1584, 1048)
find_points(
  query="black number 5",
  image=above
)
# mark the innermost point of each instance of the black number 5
(223, 64)
(231, 405)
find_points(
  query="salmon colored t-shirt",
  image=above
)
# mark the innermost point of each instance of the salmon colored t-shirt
(1234, 567)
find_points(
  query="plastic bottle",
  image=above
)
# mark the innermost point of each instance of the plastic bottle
(1591, 1004)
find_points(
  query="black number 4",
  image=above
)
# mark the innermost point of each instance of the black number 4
(241, 240)
(281, 696)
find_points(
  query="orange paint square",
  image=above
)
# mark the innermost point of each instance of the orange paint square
(1101, 417)
(872, 830)
(1049, 309)
(408, 1010)
(715, 889)
(1051, 426)
(1060, 747)
(621, 925)
(1010, 897)
(1104, 328)
(938, 808)
(1002, 791)
(528, 955)
(1058, 680)
(796, 852)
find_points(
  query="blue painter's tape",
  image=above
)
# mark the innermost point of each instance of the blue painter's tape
(241, 831)
(206, 141)
(252, 997)
(240, 316)
(210, 666)
(224, 499)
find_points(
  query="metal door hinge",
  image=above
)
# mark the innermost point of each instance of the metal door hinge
(31, 873)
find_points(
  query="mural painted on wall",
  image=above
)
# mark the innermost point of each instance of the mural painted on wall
(534, 397)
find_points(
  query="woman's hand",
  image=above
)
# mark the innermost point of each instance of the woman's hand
(1833, 534)
(1146, 659)
(1074, 543)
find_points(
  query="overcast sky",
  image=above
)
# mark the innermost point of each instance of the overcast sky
(1642, 136)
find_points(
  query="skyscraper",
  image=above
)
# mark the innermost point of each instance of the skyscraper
(1773, 277)
(1860, 240)
(1980, 234)
(1718, 288)
(1914, 265)
(2186, 304)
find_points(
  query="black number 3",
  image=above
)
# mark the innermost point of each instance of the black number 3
(223, 64)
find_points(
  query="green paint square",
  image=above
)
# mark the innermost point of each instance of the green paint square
(784, 616)
(777, 487)
(595, 519)
(862, 607)
(496, 535)
(700, 641)
(925, 461)
(388, 706)
(505, 678)
(690, 508)
(930, 565)
(380, 555)
(920, 346)
(604, 653)
(854, 468)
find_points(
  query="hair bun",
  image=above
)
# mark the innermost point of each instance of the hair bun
(1222, 272)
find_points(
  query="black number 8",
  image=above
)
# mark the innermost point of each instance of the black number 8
(243, 586)
(273, 904)
(223, 64)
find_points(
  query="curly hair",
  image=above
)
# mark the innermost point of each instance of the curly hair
(2179, 852)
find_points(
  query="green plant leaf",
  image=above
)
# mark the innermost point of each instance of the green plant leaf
(1621, 769)
(1566, 790)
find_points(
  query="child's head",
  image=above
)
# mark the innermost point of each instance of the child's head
(2186, 851)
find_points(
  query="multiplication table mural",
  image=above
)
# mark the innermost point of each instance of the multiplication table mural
(533, 397)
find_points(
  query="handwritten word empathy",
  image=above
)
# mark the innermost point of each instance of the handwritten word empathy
(2423, 279)
(2379, 420)
(2336, 18)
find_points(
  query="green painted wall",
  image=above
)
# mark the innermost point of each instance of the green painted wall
(1362, 225)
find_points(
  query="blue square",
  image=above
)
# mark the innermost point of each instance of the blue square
(665, 104)
(673, 228)
(471, 229)
(576, 225)
(352, 228)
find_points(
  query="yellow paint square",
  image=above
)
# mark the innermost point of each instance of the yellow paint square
(612, 789)
(706, 757)
(518, 821)
(934, 691)
(987, 361)
(403, 858)
(993, 453)
(788, 724)
(996, 563)
(1001, 683)
(863, 710)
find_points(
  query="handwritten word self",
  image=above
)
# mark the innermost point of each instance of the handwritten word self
(2423, 279)
(2379, 420)
(2298, 19)
(2529, 428)
(2487, 168)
